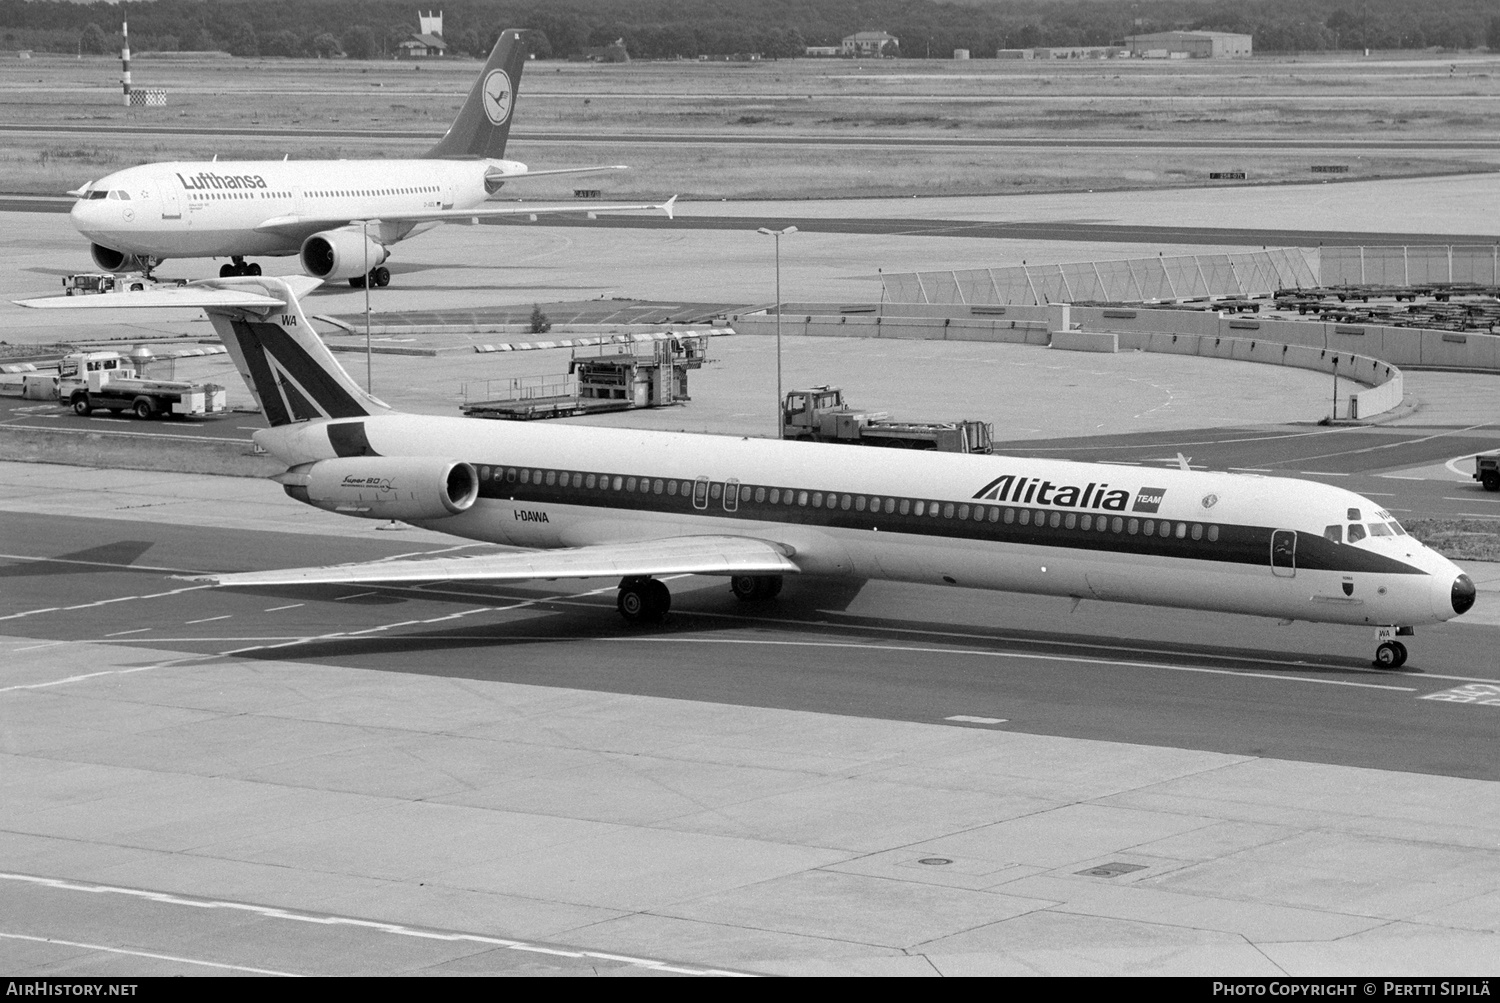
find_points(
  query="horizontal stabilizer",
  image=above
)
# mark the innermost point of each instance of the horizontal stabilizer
(249, 293)
(523, 175)
(702, 555)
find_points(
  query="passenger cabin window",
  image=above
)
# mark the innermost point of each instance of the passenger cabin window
(1356, 531)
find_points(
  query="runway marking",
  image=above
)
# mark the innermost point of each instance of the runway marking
(103, 602)
(1320, 473)
(911, 649)
(1453, 465)
(106, 672)
(1483, 694)
(33, 647)
(297, 915)
(358, 595)
(98, 564)
(208, 619)
(148, 954)
(969, 719)
(1488, 501)
(277, 609)
(122, 633)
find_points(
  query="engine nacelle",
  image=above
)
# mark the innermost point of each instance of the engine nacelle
(340, 254)
(385, 487)
(111, 260)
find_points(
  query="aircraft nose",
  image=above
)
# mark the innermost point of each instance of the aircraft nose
(1463, 594)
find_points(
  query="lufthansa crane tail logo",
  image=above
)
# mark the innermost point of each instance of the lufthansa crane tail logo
(497, 96)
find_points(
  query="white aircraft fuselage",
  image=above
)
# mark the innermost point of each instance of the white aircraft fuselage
(257, 208)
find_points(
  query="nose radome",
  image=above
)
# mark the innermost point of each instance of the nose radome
(1463, 594)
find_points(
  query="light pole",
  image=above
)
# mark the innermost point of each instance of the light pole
(364, 225)
(778, 234)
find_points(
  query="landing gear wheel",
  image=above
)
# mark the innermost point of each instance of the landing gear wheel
(754, 588)
(252, 269)
(82, 407)
(381, 276)
(643, 600)
(143, 408)
(1390, 655)
(357, 282)
(226, 271)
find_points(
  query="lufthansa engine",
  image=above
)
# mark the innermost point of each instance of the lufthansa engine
(340, 254)
(385, 487)
(111, 260)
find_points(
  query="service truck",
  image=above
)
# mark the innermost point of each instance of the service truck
(90, 381)
(819, 414)
(1487, 470)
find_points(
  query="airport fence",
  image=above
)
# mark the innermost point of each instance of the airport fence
(1410, 265)
(1130, 280)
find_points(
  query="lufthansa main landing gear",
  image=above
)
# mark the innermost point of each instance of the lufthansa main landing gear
(238, 268)
(1389, 652)
(379, 278)
(754, 588)
(643, 600)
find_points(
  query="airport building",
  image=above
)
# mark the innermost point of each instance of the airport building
(428, 42)
(869, 43)
(1190, 45)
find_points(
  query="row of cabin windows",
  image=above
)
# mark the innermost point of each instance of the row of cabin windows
(731, 495)
(218, 196)
(419, 190)
(203, 196)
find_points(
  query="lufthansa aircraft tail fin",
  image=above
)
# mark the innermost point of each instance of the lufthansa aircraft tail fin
(483, 123)
(286, 365)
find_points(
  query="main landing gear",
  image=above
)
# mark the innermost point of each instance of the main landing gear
(643, 600)
(1389, 652)
(754, 588)
(238, 268)
(379, 278)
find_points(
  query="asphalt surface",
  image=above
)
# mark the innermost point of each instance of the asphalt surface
(1104, 672)
(821, 140)
(919, 227)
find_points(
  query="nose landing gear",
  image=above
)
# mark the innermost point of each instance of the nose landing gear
(1389, 652)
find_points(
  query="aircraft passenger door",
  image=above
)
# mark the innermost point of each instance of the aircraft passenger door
(731, 495)
(171, 201)
(1284, 553)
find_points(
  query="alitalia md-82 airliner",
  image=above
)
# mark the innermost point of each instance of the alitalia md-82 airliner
(638, 505)
(339, 216)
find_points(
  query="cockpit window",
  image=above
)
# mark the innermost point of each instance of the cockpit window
(1356, 531)
(1380, 529)
(119, 194)
(1397, 528)
(1334, 533)
(1353, 515)
(96, 194)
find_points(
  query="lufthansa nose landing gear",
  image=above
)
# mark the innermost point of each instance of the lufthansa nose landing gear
(1389, 652)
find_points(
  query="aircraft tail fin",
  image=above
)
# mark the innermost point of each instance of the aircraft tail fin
(287, 367)
(483, 123)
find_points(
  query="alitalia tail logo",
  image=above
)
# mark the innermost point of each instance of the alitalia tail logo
(206, 180)
(1033, 491)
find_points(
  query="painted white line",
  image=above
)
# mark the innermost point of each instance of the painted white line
(208, 619)
(106, 672)
(33, 647)
(1471, 498)
(103, 602)
(1321, 473)
(1251, 470)
(969, 719)
(358, 595)
(1453, 465)
(148, 954)
(398, 929)
(99, 564)
(1019, 656)
(1378, 494)
(122, 633)
(1400, 477)
(277, 609)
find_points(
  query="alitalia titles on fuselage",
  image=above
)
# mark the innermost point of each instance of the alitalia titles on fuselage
(1034, 490)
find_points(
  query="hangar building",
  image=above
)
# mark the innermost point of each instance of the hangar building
(1193, 44)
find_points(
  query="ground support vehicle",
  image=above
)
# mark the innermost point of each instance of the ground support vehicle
(90, 381)
(819, 414)
(1487, 470)
(602, 378)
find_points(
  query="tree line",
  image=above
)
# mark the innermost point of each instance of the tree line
(668, 29)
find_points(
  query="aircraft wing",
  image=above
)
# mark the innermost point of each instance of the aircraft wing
(299, 223)
(684, 555)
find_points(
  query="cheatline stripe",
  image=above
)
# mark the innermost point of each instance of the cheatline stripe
(398, 929)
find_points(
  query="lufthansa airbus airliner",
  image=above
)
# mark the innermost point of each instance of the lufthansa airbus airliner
(339, 216)
(638, 505)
